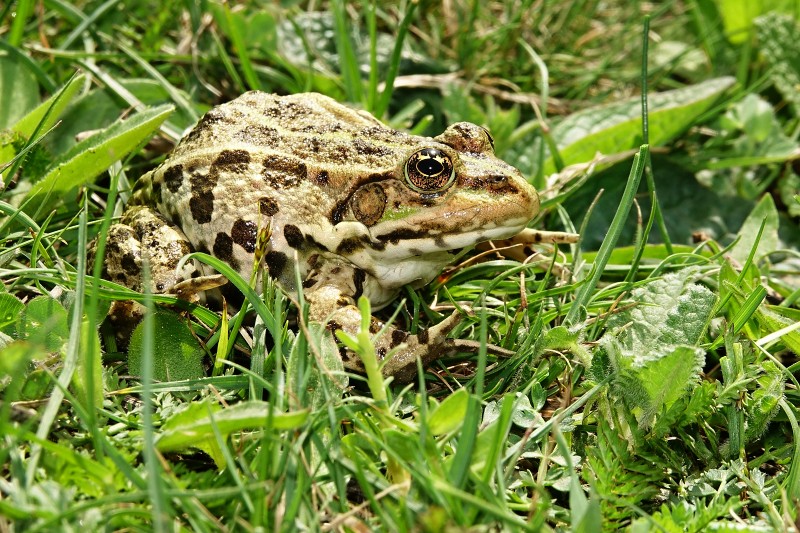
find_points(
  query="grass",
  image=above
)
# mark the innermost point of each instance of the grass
(653, 378)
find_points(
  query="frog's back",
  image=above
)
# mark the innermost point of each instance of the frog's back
(261, 160)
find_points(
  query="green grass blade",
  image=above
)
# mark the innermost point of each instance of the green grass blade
(609, 243)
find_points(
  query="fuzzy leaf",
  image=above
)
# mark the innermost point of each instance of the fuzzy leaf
(666, 376)
(92, 156)
(764, 402)
(52, 108)
(89, 369)
(671, 310)
(617, 127)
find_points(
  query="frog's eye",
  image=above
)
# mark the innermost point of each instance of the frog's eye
(429, 170)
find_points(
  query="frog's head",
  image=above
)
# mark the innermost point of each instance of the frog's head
(444, 194)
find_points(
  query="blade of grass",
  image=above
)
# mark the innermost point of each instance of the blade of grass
(655, 206)
(22, 13)
(240, 44)
(614, 231)
(394, 60)
(792, 481)
(348, 62)
(459, 469)
(86, 23)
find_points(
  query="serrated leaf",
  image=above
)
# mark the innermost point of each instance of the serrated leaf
(449, 415)
(617, 127)
(666, 376)
(671, 310)
(176, 357)
(89, 158)
(764, 209)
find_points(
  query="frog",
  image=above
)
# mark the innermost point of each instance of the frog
(355, 207)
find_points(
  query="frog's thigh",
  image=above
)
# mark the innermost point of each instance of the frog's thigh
(145, 234)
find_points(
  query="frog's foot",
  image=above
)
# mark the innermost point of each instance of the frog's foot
(191, 289)
(520, 248)
(331, 295)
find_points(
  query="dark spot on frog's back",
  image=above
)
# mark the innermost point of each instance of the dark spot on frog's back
(276, 262)
(281, 172)
(206, 124)
(232, 160)
(201, 203)
(349, 246)
(359, 276)
(129, 264)
(173, 177)
(223, 247)
(293, 235)
(322, 177)
(268, 206)
(244, 234)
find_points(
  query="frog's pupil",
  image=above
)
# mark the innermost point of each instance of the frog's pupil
(430, 167)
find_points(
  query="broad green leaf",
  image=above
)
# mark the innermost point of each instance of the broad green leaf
(44, 321)
(617, 127)
(92, 156)
(332, 372)
(53, 107)
(764, 209)
(176, 356)
(449, 415)
(19, 92)
(194, 428)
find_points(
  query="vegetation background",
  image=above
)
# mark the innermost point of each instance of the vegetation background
(653, 385)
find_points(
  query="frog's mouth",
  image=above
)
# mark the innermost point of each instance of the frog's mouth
(450, 231)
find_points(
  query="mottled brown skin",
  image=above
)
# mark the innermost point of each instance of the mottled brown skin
(357, 207)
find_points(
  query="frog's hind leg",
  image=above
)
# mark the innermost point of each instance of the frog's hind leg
(143, 235)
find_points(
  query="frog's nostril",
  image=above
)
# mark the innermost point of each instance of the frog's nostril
(497, 179)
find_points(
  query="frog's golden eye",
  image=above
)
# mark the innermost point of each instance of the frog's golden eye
(429, 170)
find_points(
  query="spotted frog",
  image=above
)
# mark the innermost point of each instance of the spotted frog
(357, 207)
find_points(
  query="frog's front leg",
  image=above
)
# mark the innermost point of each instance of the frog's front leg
(332, 291)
